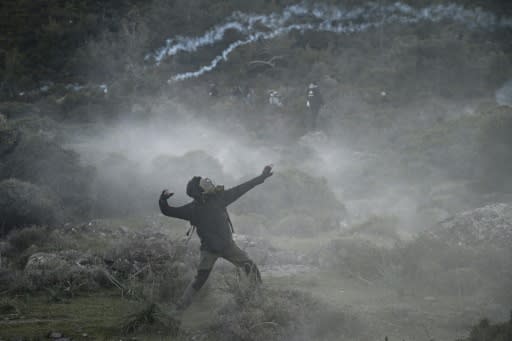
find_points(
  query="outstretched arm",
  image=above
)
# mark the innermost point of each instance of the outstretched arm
(232, 194)
(182, 212)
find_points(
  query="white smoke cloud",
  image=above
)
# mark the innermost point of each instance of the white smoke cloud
(320, 17)
(504, 94)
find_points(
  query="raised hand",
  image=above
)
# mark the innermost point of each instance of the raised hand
(165, 194)
(267, 171)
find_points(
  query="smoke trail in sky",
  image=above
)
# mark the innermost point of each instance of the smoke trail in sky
(321, 18)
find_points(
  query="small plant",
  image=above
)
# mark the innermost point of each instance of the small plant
(150, 317)
(9, 307)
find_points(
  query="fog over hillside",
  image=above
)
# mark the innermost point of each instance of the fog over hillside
(388, 213)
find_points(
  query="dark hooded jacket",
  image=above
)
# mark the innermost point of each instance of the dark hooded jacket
(208, 213)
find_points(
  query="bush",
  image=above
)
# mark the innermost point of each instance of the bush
(64, 273)
(23, 203)
(16, 282)
(41, 161)
(266, 314)
(18, 241)
(149, 317)
(485, 331)
(356, 257)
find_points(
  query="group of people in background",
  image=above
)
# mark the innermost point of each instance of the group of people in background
(313, 100)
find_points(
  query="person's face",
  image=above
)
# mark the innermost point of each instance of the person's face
(206, 185)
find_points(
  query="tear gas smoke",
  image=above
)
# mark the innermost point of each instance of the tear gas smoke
(504, 94)
(320, 18)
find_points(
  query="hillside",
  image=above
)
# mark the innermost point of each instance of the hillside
(386, 218)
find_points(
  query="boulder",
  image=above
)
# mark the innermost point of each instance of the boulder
(489, 225)
(46, 268)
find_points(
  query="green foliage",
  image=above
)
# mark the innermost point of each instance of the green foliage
(41, 161)
(485, 331)
(20, 240)
(149, 318)
(88, 40)
(44, 36)
(23, 203)
(267, 314)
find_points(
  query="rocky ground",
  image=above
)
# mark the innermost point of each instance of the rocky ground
(80, 282)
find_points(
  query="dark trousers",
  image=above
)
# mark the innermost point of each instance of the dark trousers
(233, 254)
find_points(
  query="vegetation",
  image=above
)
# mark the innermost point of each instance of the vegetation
(419, 97)
(492, 332)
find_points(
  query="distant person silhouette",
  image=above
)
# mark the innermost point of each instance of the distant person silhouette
(314, 103)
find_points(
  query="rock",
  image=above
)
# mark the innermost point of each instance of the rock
(42, 262)
(54, 335)
(45, 268)
(489, 225)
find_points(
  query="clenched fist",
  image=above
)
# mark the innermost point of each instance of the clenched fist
(267, 171)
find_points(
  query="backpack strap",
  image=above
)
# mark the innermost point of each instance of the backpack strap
(190, 231)
(229, 220)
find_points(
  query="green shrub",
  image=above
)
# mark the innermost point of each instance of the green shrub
(39, 160)
(260, 313)
(150, 318)
(18, 241)
(485, 331)
(23, 203)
